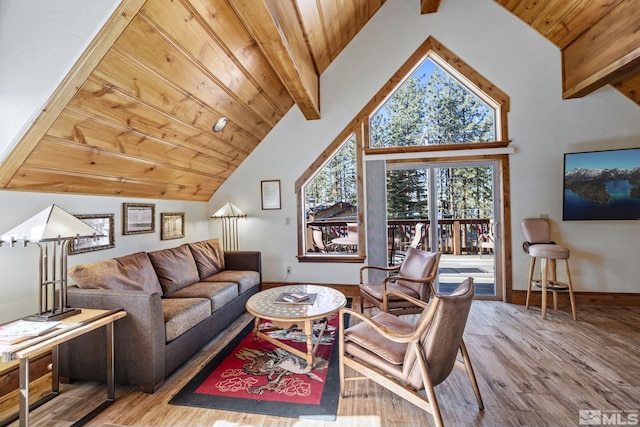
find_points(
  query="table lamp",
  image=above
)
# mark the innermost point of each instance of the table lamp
(52, 230)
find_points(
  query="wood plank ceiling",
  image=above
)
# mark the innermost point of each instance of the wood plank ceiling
(134, 117)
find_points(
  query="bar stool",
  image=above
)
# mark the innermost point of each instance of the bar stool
(539, 245)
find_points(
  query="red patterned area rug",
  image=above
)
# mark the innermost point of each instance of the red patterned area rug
(255, 376)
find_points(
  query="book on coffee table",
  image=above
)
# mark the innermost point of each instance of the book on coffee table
(296, 298)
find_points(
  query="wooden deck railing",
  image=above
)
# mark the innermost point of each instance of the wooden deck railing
(455, 235)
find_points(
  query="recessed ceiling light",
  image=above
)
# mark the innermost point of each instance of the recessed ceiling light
(220, 124)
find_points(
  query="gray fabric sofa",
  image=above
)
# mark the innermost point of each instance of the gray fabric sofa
(176, 300)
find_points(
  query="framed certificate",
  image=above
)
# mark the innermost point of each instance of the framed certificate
(270, 194)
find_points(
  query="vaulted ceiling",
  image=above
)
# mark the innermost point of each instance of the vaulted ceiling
(134, 117)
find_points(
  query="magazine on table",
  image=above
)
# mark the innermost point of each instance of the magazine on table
(21, 330)
(296, 298)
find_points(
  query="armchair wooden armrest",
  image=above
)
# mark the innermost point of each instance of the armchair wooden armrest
(376, 267)
(377, 327)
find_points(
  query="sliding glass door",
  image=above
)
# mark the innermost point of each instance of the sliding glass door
(450, 208)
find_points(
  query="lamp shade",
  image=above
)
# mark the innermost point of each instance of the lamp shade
(50, 224)
(229, 210)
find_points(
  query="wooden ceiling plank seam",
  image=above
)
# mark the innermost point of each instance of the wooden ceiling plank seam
(165, 59)
(232, 109)
(345, 9)
(210, 156)
(329, 12)
(254, 98)
(528, 10)
(206, 133)
(114, 26)
(272, 86)
(312, 27)
(69, 130)
(43, 180)
(99, 99)
(616, 39)
(195, 41)
(295, 67)
(89, 161)
(551, 15)
(580, 19)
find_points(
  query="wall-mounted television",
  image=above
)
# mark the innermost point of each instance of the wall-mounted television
(602, 185)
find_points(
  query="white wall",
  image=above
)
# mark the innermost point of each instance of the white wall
(542, 126)
(40, 40)
(19, 265)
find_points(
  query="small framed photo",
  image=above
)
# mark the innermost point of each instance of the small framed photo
(172, 225)
(138, 218)
(270, 194)
(103, 223)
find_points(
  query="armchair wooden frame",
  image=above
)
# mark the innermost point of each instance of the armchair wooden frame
(429, 402)
(386, 304)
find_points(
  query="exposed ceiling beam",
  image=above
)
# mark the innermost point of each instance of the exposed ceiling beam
(429, 6)
(276, 26)
(607, 52)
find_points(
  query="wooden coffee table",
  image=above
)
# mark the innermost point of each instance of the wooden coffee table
(263, 306)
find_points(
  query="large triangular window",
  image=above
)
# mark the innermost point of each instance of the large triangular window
(432, 107)
(435, 106)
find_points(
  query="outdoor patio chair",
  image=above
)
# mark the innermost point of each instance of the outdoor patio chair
(414, 277)
(405, 357)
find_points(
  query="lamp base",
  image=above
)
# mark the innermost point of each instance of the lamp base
(48, 316)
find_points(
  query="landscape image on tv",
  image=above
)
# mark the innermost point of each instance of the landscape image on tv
(602, 185)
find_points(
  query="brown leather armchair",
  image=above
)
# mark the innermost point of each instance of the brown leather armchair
(414, 277)
(405, 357)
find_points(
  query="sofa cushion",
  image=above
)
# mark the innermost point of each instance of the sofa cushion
(245, 279)
(130, 272)
(208, 255)
(175, 268)
(219, 293)
(182, 314)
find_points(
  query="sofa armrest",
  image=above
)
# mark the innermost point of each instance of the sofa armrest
(139, 339)
(243, 260)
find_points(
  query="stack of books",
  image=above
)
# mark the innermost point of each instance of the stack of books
(296, 298)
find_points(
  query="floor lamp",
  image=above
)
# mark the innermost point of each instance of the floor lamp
(229, 214)
(51, 230)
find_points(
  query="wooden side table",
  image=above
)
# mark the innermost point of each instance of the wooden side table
(71, 327)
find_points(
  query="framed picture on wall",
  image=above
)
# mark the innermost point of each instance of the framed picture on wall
(172, 225)
(138, 218)
(602, 185)
(103, 223)
(270, 194)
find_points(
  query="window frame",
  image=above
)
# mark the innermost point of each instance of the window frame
(460, 70)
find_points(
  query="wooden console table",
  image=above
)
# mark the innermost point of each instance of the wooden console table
(71, 327)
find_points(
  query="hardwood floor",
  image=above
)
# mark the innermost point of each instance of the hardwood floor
(530, 372)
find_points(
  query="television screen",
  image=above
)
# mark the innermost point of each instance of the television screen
(602, 185)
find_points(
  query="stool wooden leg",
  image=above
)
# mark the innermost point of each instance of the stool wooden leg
(554, 277)
(532, 266)
(544, 269)
(573, 302)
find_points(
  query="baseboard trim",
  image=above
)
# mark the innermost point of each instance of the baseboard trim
(602, 299)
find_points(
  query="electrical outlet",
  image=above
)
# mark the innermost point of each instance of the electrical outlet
(288, 269)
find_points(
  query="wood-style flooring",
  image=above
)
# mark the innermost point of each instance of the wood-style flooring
(531, 372)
